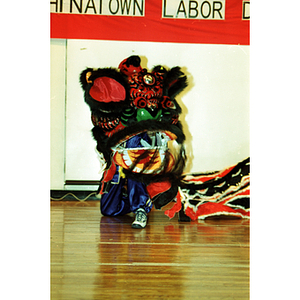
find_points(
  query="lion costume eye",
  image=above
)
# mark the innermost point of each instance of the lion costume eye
(140, 102)
(149, 79)
(168, 103)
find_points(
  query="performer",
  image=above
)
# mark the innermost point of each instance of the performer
(136, 126)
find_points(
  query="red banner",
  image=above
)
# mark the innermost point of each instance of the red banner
(174, 21)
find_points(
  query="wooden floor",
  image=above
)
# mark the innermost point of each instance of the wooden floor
(97, 257)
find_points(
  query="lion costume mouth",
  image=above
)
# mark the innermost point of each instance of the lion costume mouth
(146, 152)
(148, 148)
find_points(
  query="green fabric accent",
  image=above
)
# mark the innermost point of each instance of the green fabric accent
(143, 114)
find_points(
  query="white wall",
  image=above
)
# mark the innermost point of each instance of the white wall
(57, 112)
(215, 105)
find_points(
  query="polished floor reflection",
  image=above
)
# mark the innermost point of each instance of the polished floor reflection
(97, 257)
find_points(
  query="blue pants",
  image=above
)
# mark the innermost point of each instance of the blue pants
(119, 201)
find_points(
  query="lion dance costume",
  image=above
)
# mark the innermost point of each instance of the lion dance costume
(140, 137)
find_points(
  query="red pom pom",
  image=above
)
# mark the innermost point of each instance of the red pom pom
(106, 89)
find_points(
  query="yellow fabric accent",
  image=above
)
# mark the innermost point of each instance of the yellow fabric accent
(121, 172)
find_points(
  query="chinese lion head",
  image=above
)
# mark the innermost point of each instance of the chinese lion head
(136, 123)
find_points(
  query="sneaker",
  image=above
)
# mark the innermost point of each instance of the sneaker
(140, 219)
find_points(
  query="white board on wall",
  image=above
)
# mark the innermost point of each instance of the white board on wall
(215, 104)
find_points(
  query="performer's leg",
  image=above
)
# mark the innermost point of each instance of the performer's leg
(115, 201)
(140, 202)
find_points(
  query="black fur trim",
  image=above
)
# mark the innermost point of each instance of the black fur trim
(174, 82)
(160, 69)
(133, 60)
(82, 79)
(148, 125)
(101, 140)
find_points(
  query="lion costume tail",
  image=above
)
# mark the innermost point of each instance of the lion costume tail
(220, 193)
